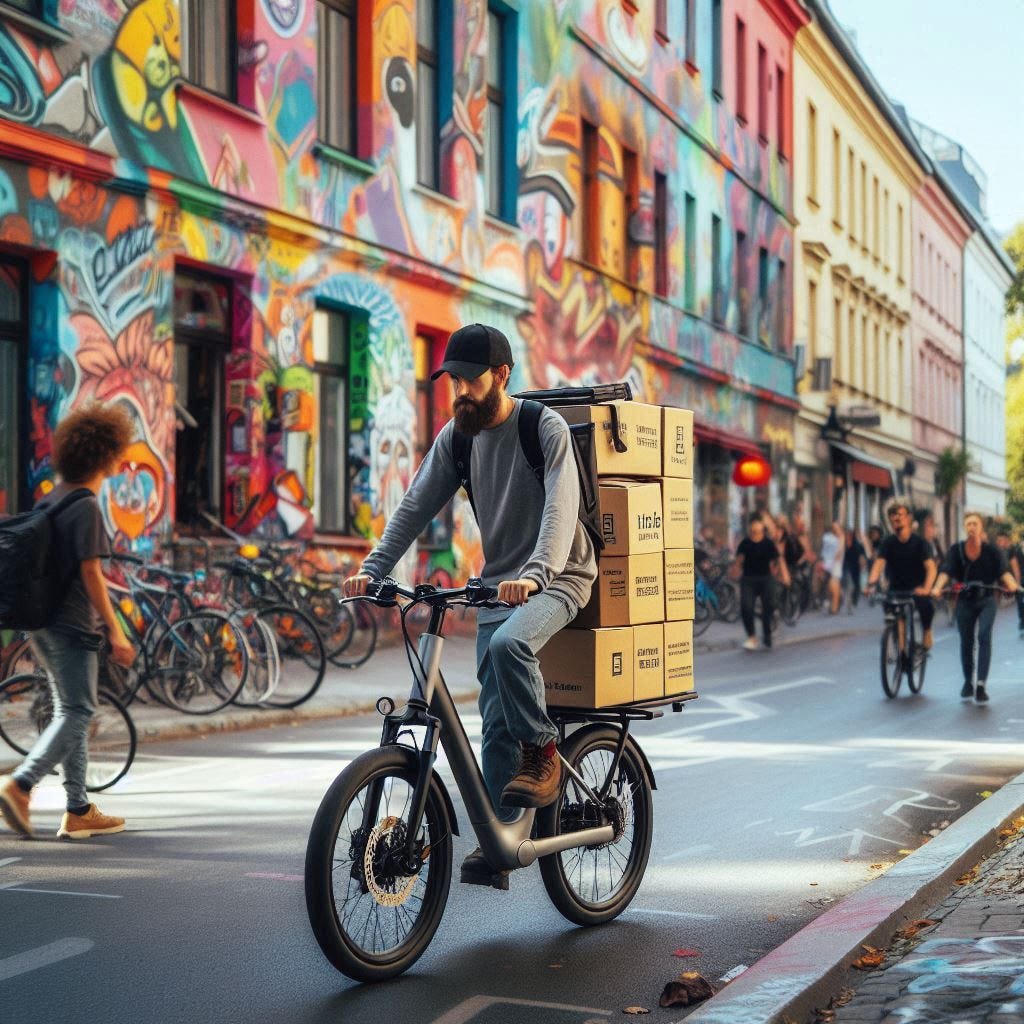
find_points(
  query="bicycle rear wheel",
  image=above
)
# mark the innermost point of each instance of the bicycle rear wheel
(363, 641)
(25, 710)
(303, 662)
(892, 661)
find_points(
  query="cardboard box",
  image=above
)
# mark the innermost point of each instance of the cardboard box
(677, 442)
(677, 504)
(679, 585)
(678, 657)
(648, 661)
(639, 429)
(588, 668)
(628, 591)
(631, 516)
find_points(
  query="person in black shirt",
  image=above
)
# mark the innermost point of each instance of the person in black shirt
(906, 559)
(975, 560)
(1016, 560)
(758, 555)
(854, 559)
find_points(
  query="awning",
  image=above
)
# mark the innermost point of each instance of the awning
(726, 439)
(867, 469)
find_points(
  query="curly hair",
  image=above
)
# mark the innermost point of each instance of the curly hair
(88, 440)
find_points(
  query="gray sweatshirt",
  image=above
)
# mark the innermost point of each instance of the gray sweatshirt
(528, 532)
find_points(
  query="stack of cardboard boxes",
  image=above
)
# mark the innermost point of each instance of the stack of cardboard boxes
(634, 640)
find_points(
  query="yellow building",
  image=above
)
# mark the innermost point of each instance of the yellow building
(856, 168)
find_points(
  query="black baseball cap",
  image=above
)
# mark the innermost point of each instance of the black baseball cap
(474, 349)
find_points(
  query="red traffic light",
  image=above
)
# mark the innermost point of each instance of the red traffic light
(752, 471)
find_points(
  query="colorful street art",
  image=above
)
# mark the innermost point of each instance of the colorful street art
(168, 175)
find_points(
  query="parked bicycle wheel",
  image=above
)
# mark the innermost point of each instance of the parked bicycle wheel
(728, 601)
(892, 661)
(591, 885)
(701, 617)
(26, 709)
(363, 641)
(301, 651)
(372, 917)
(264, 673)
(334, 620)
(199, 663)
(789, 604)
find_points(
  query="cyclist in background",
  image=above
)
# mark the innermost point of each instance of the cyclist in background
(975, 560)
(906, 559)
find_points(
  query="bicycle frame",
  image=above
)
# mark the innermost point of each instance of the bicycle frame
(506, 846)
(903, 607)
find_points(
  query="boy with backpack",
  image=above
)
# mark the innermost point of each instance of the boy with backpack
(67, 594)
(538, 554)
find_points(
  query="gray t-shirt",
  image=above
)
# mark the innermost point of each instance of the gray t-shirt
(526, 530)
(81, 535)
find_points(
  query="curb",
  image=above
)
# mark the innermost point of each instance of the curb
(810, 967)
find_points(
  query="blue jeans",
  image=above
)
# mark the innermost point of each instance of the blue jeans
(73, 669)
(512, 689)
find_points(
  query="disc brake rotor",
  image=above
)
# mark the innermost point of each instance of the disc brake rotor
(396, 889)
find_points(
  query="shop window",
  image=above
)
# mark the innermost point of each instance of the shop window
(202, 337)
(591, 195)
(331, 339)
(337, 60)
(13, 490)
(210, 50)
(433, 411)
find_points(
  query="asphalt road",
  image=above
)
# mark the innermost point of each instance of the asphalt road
(789, 784)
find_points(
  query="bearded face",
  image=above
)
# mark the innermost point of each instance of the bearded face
(471, 416)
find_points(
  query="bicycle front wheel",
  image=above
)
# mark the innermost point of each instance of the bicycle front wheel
(301, 654)
(371, 917)
(593, 884)
(892, 661)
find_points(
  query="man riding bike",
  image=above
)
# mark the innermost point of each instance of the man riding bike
(975, 561)
(536, 553)
(906, 559)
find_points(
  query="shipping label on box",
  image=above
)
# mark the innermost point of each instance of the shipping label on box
(628, 590)
(639, 430)
(677, 442)
(648, 661)
(588, 668)
(631, 517)
(677, 504)
(678, 657)
(679, 585)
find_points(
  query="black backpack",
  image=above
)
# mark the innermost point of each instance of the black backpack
(581, 436)
(33, 577)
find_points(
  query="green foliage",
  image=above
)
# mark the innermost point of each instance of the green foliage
(1014, 246)
(953, 466)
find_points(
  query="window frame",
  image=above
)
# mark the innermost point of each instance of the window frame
(661, 264)
(741, 71)
(717, 63)
(762, 93)
(432, 59)
(630, 205)
(741, 272)
(717, 305)
(690, 25)
(348, 9)
(507, 186)
(16, 334)
(589, 148)
(322, 369)
(191, 31)
(780, 113)
(690, 253)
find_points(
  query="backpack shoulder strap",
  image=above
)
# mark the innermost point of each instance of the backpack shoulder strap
(69, 499)
(462, 450)
(529, 436)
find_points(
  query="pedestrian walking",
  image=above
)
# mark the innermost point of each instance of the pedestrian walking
(756, 557)
(1016, 564)
(854, 561)
(88, 446)
(832, 546)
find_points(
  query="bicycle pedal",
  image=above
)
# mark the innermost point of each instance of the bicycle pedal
(498, 880)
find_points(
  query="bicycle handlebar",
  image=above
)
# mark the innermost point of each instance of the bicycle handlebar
(386, 591)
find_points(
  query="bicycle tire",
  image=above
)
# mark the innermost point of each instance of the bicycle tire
(363, 641)
(264, 672)
(26, 709)
(334, 620)
(728, 601)
(701, 617)
(633, 810)
(789, 606)
(336, 830)
(915, 678)
(891, 662)
(301, 650)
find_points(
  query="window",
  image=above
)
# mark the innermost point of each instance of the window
(428, 125)
(763, 325)
(812, 322)
(837, 178)
(690, 268)
(13, 385)
(210, 57)
(780, 307)
(876, 217)
(812, 153)
(838, 353)
(690, 15)
(741, 70)
(336, 73)
(852, 192)
(742, 285)
(717, 305)
(591, 197)
(886, 229)
(780, 112)
(630, 204)
(499, 164)
(202, 337)
(762, 93)
(330, 442)
(660, 234)
(661, 18)
(852, 364)
(716, 48)
(864, 206)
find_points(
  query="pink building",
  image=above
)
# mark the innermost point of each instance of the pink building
(939, 236)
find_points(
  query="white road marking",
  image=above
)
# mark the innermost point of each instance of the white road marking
(9, 860)
(43, 956)
(673, 913)
(469, 1008)
(17, 887)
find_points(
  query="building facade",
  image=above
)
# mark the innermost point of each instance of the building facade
(856, 173)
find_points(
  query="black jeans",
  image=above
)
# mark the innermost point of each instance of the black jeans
(751, 588)
(1020, 609)
(926, 611)
(971, 615)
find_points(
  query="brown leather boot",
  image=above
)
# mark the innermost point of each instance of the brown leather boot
(538, 780)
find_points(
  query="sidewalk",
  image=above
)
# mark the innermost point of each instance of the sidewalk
(967, 967)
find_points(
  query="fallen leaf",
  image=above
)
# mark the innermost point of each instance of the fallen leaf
(909, 931)
(968, 878)
(773, 917)
(686, 952)
(985, 794)
(871, 959)
(845, 995)
(636, 1011)
(814, 883)
(906, 852)
(688, 989)
(876, 867)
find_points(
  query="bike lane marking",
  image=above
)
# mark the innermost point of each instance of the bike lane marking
(470, 1008)
(43, 956)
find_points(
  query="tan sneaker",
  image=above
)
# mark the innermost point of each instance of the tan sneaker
(928, 640)
(538, 780)
(14, 805)
(92, 823)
